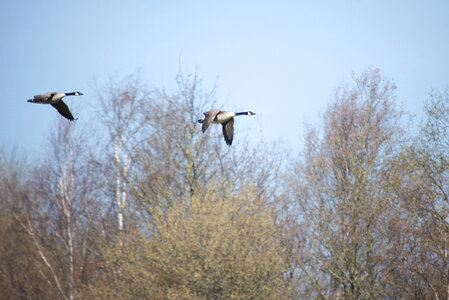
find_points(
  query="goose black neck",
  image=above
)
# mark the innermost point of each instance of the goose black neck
(70, 94)
(242, 113)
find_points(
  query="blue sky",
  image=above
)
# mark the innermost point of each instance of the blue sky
(280, 59)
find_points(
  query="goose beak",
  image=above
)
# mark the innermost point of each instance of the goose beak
(29, 100)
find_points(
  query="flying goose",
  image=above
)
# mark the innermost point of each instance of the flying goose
(55, 99)
(225, 118)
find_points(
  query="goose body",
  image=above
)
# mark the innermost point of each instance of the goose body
(55, 99)
(225, 118)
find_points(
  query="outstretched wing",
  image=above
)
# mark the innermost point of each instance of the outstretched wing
(63, 110)
(228, 131)
(210, 116)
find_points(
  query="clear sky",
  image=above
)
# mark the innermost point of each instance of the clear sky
(280, 59)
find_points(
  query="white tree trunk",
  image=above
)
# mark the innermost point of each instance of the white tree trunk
(122, 163)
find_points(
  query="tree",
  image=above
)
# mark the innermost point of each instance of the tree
(59, 212)
(422, 185)
(176, 160)
(205, 247)
(122, 107)
(341, 192)
(20, 277)
(176, 166)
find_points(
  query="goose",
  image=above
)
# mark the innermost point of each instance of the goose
(55, 99)
(225, 118)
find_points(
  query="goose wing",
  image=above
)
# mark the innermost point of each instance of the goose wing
(209, 118)
(63, 109)
(43, 97)
(228, 131)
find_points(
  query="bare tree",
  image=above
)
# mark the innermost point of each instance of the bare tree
(422, 185)
(122, 110)
(19, 275)
(340, 191)
(176, 160)
(57, 221)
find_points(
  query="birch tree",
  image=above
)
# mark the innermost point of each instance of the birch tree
(122, 106)
(57, 221)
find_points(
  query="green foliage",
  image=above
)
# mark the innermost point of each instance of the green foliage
(219, 248)
(204, 248)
